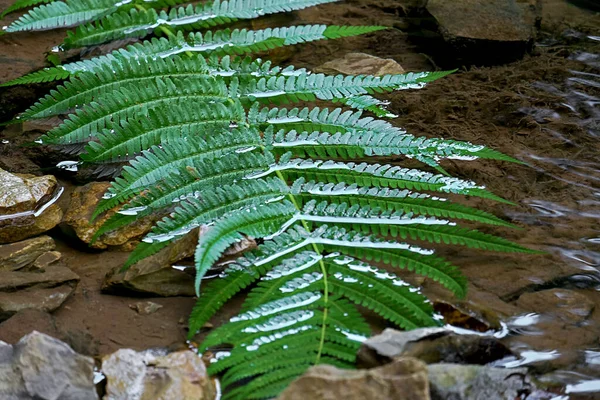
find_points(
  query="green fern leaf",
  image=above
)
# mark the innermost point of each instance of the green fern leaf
(138, 23)
(58, 14)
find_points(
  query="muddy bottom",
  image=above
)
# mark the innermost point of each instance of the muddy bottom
(543, 110)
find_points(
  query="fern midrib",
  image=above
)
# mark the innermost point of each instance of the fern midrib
(323, 272)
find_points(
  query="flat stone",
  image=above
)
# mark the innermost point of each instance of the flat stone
(146, 375)
(46, 259)
(21, 254)
(475, 382)
(361, 64)
(83, 203)
(431, 345)
(405, 378)
(155, 274)
(482, 27)
(42, 367)
(567, 305)
(44, 291)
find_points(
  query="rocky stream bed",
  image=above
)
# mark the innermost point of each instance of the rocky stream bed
(528, 84)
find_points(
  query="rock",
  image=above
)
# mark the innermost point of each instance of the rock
(405, 378)
(567, 305)
(44, 368)
(467, 315)
(44, 291)
(361, 63)
(46, 259)
(27, 206)
(431, 345)
(22, 254)
(135, 375)
(83, 203)
(145, 307)
(154, 274)
(474, 382)
(486, 31)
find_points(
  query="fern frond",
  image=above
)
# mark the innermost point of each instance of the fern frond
(59, 14)
(44, 75)
(391, 200)
(189, 182)
(193, 213)
(260, 222)
(138, 23)
(178, 152)
(131, 101)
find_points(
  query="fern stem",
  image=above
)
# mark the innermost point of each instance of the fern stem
(323, 271)
(163, 29)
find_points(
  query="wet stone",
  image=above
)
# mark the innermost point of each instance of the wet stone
(22, 254)
(77, 219)
(405, 378)
(46, 259)
(361, 63)
(486, 31)
(155, 274)
(431, 345)
(44, 291)
(27, 206)
(567, 305)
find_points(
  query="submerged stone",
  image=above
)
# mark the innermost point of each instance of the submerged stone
(486, 31)
(361, 64)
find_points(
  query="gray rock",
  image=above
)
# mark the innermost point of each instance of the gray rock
(135, 375)
(44, 291)
(474, 382)
(431, 345)
(405, 378)
(44, 368)
(22, 254)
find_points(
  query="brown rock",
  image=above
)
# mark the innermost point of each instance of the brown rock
(24, 253)
(83, 204)
(27, 206)
(361, 64)
(405, 378)
(144, 375)
(484, 27)
(145, 307)
(467, 315)
(567, 305)
(154, 274)
(46, 259)
(44, 291)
